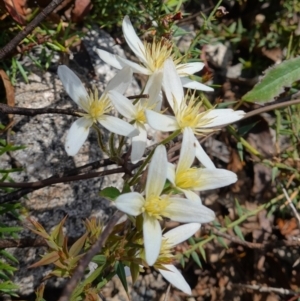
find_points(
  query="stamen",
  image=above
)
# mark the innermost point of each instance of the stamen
(155, 206)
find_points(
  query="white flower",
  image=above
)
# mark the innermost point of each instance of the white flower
(154, 206)
(136, 113)
(187, 115)
(96, 108)
(163, 263)
(188, 179)
(152, 57)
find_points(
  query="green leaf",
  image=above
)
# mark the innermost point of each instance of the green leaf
(78, 245)
(110, 193)
(238, 232)
(99, 259)
(238, 208)
(135, 271)
(274, 81)
(120, 270)
(222, 242)
(202, 252)
(196, 258)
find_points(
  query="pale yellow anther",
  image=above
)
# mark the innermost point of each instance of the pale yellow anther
(188, 115)
(155, 206)
(94, 106)
(189, 178)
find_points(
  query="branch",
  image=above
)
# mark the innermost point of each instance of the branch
(271, 108)
(5, 109)
(29, 28)
(95, 249)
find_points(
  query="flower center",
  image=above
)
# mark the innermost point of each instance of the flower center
(156, 53)
(95, 106)
(155, 206)
(188, 115)
(189, 178)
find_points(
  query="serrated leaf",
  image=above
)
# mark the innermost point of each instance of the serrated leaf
(274, 81)
(110, 193)
(238, 232)
(196, 258)
(120, 270)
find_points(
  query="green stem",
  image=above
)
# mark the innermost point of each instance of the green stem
(100, 141)
(231, 225)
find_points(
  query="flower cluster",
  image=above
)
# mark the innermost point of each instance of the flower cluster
(159, 199)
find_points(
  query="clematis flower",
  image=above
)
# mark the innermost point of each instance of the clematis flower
(154, 206)
(152, 57)
(187, 114)
(164, 261)
(96, 107)
(188, 179)
(136, 113)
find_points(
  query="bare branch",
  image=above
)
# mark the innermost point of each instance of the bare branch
(29, 28)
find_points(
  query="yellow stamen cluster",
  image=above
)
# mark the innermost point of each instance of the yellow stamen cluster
(189, 178)
(156, 53)
(155, 206)
(165, 254)
(188, 115)
(95, 106)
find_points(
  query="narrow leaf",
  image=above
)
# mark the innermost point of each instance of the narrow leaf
(196, 258)
(110, 193)
(120, 270)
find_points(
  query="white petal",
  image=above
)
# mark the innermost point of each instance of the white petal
(133, 40)
(175, 278)
(159, 122)
(77, 135)
(191, 84)
(202, 156)
(191, 195)
(130, 203)
(72, 84)
(189, 68)
(172, 84)
(187, 152)
(138, 144)
(153, 88)
(152, 238)
(215, 178)
(121, 81)
(122, 104)
(181, 233)
(196, 213)
(118, 126)
(119, 62)
(222, 117)
(171, 173)
(157, 173)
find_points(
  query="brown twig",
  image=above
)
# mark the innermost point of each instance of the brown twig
(5, 109)
(96, 248)
(29, 28)
(266, 289)
(272, 107)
